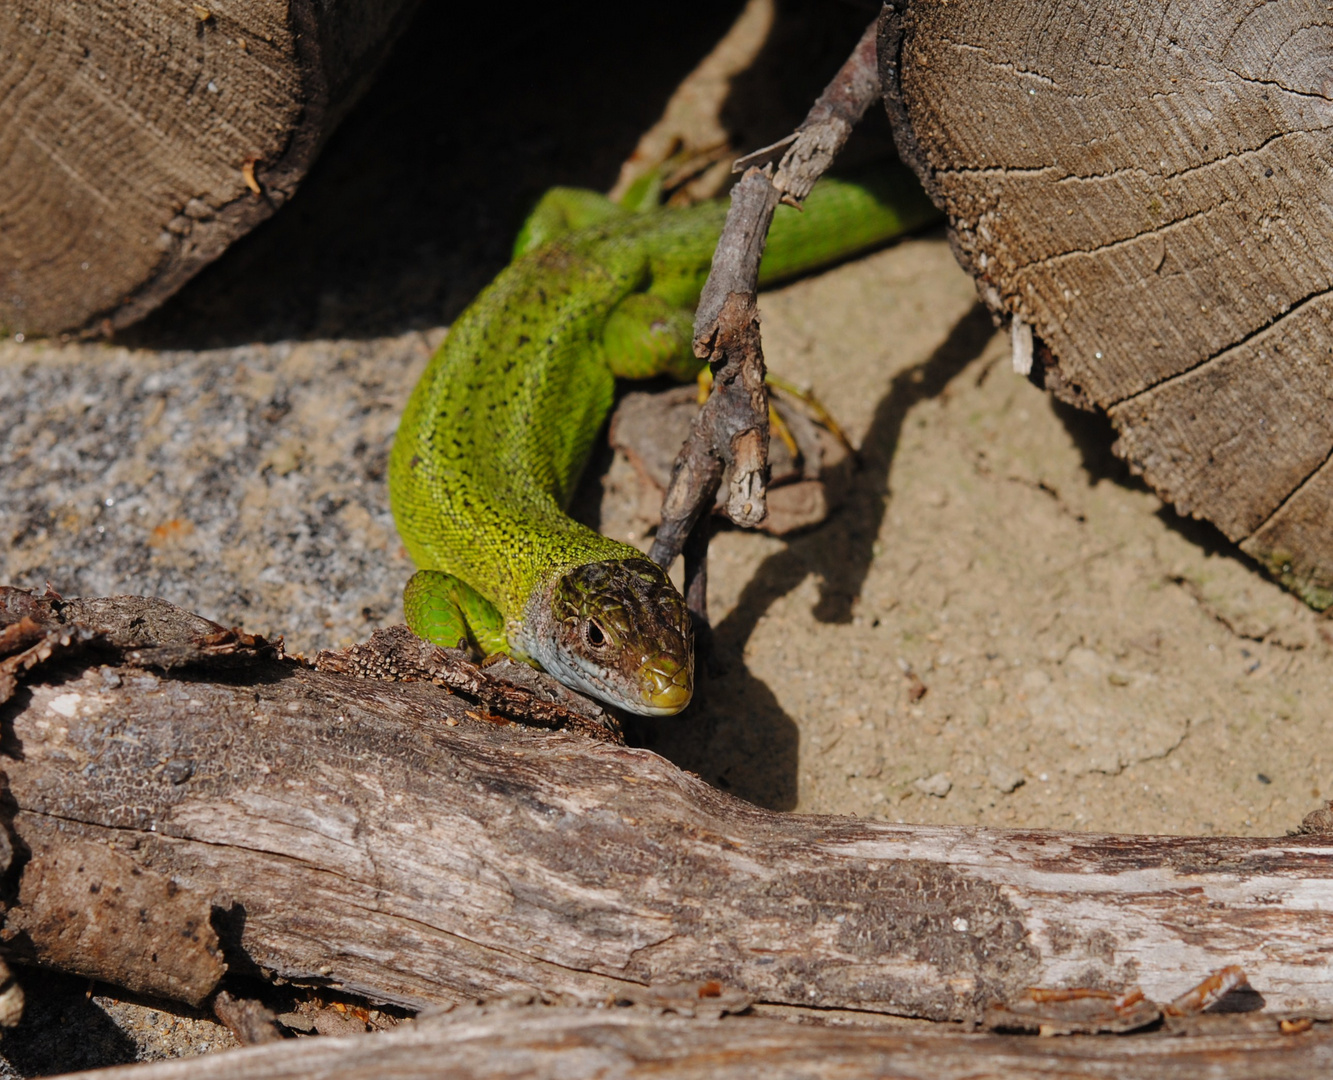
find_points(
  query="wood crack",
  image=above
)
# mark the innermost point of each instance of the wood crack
(1130, 170)
(1226, 352)
(1275, 84)
(230, 845)
(1298, 490)
(1111, 245)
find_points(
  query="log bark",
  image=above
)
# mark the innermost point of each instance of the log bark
(1149, 191)
(138, 138)
(402, 843)
(524, 1042)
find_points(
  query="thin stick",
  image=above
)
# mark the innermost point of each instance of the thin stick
(731, 432)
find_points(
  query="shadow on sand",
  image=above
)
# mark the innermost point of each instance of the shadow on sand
(738, 736)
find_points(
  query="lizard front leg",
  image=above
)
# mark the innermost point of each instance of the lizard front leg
(446, 611)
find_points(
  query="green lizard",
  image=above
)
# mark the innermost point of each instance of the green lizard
(500, 426)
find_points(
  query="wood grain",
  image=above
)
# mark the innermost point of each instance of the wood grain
(1291, 542)
(525, 1042)
(133, 134)
(1149, 188)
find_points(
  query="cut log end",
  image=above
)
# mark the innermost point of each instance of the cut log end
(1157, 219)
(142, 138)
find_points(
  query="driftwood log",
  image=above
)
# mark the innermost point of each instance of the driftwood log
(1146, 192)
(409, 845)
(495, 1042)
(138, 138)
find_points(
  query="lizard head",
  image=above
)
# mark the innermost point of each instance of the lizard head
(620, 631)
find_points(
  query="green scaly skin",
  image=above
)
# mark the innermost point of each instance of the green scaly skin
(498, 430)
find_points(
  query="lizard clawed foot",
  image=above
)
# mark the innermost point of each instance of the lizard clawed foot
(786, 389)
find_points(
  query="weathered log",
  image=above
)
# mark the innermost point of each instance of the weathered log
(499, 1042)
(397, 842)
(138, 138)
(1147, 190)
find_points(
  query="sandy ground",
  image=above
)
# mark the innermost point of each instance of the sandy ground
(1000, 626)
(69, 1024)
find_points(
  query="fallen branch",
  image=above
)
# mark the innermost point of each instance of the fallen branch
(396, 841)
(731, 432)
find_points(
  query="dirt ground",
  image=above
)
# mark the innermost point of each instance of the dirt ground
(1000, 626)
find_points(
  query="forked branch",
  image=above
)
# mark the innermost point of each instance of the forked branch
(730, 435)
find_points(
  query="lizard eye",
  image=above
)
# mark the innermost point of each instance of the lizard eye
(593, 634)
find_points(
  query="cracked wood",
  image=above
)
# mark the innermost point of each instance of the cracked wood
(391, 840)
(1148, 190)
(138, 138)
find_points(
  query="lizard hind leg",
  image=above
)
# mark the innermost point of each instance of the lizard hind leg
(446, 611)
(645, 335)
(819, 412)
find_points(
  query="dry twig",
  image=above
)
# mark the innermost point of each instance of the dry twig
(731, 432)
